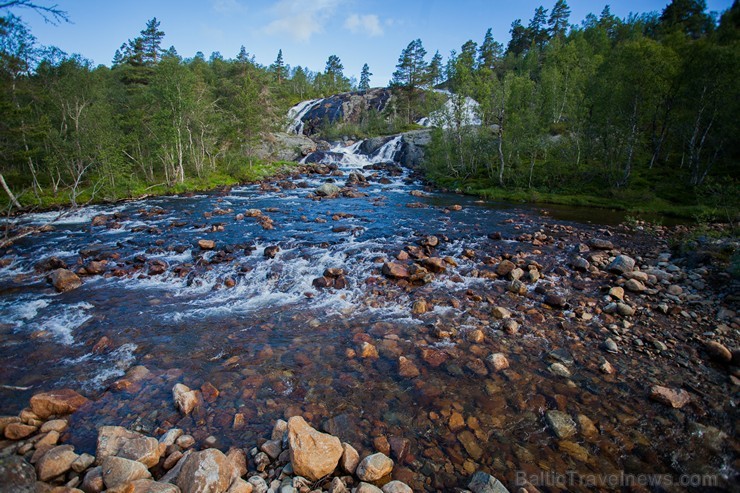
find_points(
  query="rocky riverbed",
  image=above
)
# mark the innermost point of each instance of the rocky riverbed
(450, 335)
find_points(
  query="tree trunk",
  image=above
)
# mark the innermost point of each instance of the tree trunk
(10, 194)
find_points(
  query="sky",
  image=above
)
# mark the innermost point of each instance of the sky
(307, 31)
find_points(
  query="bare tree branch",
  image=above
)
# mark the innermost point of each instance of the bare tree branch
(51, 14)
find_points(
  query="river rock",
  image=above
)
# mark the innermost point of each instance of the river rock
(396, 487)
(64, 280)
(635, 286)
(118, 441)
(117, 471)
(500, 312)
(271, 251)
(206, 244)
(208, 471)
(610, 345)
(407, 368)
(482, 482)
(55, 462)
(561, 424)
(349, 459)
(505, 267)
(56, 402)
(367, 350)
(93, 482)
(676, 398)
(16, 475)
(625, 310)
(497, 361)
(373, 467)
(367, 488)
(328, 190)
(313, 454)
(150, 486)
(185, 399)
(17, 430)
(395, 270)
(82, 462)
(617, 292)
(718, 352)
(622, 264)
(555, 300)
(559, 369)
(600, 244)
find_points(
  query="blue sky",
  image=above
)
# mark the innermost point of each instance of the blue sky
(308, 31)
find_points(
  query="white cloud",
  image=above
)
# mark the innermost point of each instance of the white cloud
(369, 24)
(227, 6)
(301, 19)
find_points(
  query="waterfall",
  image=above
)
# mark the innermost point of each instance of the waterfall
(351, 156)
(296, 114)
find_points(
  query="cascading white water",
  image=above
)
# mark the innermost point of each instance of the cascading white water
(296, 114)
(351, 156)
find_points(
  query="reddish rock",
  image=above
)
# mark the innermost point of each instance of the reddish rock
(206, 244)
(396, 270)
(16, 431)
(407, 368)
(313, 454)
(676, 398)
(56, 402)
(434, 264)
(55, 462)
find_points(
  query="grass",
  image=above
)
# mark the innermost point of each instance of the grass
(127, 189)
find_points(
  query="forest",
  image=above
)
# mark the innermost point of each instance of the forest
(632, 113)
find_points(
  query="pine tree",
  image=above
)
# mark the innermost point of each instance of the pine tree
(434, 71)
(520, 38)
(688, 16)
(411, 70)
(537, 30)
(365, 78)
(558, 22)
(490, 52)
(151, 40)
(279, 67)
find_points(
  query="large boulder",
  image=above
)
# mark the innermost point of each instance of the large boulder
(56, 402)
(347, 107)
(208, 471)
(327, 190)
(313, 454)
(622, 264)
(413, 145)
(282, 146)
(118, 471)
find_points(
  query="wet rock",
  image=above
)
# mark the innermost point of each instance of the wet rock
(55, 462)
(419, 307)
(6, 420)
(517, 287)
(64, 280)
(374, 467)
(16, 475)
(676, 398)
(470, 444)
(56, 402)
(396, 270)
(328, 190)
(118, 441)
(396, 487)
(271, 251)
(500, 312)
(185, 399)
(510, 326)
(206, 244)
(456, 421)
(606, 367)
(273, 448)
(313, 454)
(482, 482)
(208, 471)
(610, 345)
(117, 471)
(505, 267)
(555, 300)
(338, 486)
(497, 361)
(258, 484)
(434, 264)
(635, 286)
(17, 431)
(559, 369)
(717, 352)
(617, 292)
(367, 488)
(622, 264)
(93, 482)
(349, 459)
(600, 244)
(407, 368)
(580, 263)
(588, 429)
(561, 424)
(367, 350)
(150, 486)
(82, 462)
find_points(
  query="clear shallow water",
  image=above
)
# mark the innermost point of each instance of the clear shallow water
(274, 345)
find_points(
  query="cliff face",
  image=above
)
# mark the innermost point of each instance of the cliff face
(346, 107)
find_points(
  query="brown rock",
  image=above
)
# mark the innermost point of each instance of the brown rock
(6, 420)
(718, 352)
(16, 431)
(56, 402)
(468, 441)
(500, 313)
(456, 421)
(434, 264)
(505, 267)
(367, 350)
(617, 292)
(676, 398)
(118, 441)
(498, 361)
(93, 482)
(55, 462)
(208, 471)
(58, 425)
(150, 486)
(374, 467)
(407, 368)
(64, 280)
(395, 270)
(349, 459)
(117, 471)
(185, 399)
(313, 454)
(206, 244)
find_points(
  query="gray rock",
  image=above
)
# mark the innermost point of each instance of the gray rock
(622, 264)
(327, 190)
(561, 423)
(283, 147)
(373, 467)
(482, 482)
